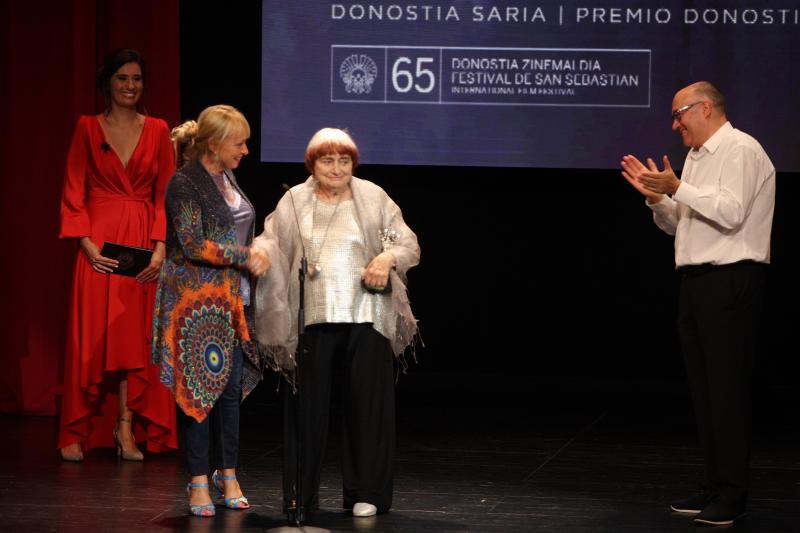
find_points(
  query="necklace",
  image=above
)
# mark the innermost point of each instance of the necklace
(315, 267)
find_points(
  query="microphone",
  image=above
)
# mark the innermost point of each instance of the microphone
(105, 147)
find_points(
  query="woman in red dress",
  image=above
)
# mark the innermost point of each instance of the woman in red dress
(117, 170)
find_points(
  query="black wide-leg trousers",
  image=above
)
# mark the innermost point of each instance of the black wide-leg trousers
(718, 321)
(367, 367)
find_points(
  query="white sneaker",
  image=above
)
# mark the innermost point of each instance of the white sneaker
(364, 509)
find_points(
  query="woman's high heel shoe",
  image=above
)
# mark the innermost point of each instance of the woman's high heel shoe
(72, 453)
(128, 455)
(231, 503)
(206, 509)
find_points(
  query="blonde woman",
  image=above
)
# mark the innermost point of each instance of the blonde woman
(201, 335)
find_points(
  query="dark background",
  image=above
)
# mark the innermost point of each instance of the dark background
(527, 274)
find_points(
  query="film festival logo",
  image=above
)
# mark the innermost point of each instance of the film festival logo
(358, 72)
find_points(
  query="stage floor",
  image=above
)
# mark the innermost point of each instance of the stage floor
(474, 454)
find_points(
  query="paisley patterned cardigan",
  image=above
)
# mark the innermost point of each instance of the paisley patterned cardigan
(199, 314)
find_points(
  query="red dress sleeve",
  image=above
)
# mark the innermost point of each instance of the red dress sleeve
(166, 168)
(74, 216)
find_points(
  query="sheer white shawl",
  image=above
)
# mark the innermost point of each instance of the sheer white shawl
(276, 308)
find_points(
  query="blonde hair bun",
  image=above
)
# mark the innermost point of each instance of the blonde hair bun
(184, 133)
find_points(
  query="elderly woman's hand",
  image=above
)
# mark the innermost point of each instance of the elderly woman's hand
(376, 274)
(259, 261)
(100, 263)
(150, 272)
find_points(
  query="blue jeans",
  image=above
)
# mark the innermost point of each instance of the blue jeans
(221, 427)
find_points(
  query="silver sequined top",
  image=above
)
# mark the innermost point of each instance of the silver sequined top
(334, 294)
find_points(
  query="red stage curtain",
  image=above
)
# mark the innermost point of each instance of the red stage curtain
(49, 55)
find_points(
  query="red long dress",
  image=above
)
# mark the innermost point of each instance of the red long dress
(110, 319)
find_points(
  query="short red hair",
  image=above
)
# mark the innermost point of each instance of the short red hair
(329, 141)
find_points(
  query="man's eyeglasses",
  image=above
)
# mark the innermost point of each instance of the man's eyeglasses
(678, 113)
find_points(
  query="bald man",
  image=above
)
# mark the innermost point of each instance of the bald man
(720, 212)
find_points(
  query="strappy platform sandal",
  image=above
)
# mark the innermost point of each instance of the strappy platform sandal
(231, 503)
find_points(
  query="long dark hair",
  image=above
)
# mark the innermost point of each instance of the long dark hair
(111, 64)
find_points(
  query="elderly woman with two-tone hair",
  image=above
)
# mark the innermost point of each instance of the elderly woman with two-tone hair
(357, 319)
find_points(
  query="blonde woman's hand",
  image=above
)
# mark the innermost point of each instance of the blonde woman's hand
(259, 262)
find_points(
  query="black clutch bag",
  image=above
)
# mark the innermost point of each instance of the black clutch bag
(132, 259)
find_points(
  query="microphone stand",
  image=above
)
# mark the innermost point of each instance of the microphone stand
(295, 512)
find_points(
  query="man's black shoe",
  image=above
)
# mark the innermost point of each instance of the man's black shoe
(693, 505)
(721, 512)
